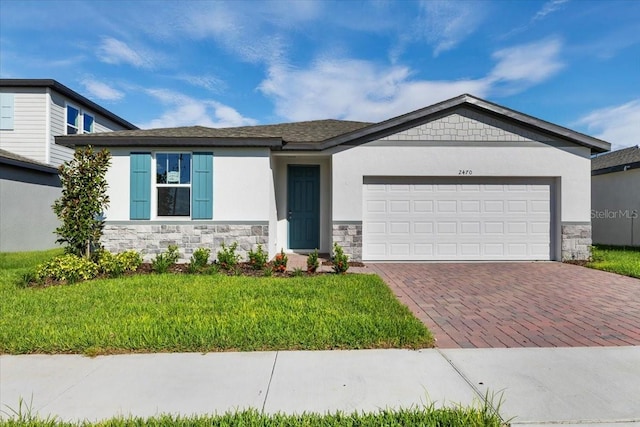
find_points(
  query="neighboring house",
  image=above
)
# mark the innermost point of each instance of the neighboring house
(27, 192)
(615, 197)
(464, 179)
(34, 111)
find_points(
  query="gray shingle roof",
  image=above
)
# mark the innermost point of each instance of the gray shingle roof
(319, 135)
(622, 157)
(310, 131)
(10, 158)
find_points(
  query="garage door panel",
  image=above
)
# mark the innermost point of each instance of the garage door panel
(457, 221)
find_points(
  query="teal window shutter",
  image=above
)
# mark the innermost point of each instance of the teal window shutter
(140, 186)
(6, 111)
(202, 191)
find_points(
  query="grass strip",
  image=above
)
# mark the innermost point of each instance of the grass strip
(475, 416)
(625, 261)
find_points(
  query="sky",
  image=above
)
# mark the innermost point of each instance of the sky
(168, 63)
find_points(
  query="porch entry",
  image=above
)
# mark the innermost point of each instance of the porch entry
(303, 206)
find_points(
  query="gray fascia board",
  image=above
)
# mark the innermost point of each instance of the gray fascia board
(28, 165)
(617, 168)
(392, 125)
(302, 146)
(69, 93)
(152, 141)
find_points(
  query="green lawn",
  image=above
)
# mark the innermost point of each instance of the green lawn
(175, 313)
(624, 261)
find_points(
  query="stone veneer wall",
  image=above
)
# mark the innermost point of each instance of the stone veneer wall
(153, 238)
(576, 241)
(349, 236)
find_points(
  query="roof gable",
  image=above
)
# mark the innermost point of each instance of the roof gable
(469, 102)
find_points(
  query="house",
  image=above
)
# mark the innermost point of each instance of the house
(464, 179)
(27, 190)
(615, 197)
(32, 113)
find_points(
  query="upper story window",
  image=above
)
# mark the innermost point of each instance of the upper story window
(73, 120)
(173, 182)
(87, 123)
(78, 121)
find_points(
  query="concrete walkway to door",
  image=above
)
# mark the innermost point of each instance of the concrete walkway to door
(518, 304)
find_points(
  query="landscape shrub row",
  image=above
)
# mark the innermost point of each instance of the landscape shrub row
(72, 268)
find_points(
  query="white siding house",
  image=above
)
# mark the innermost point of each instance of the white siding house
(461, 180)
(34, 112)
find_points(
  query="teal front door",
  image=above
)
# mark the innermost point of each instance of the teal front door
(304, 207)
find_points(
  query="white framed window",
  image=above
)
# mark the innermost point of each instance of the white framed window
(78, 121)
(173, 184)
(73, 120)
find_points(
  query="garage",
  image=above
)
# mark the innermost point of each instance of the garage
(457, 219)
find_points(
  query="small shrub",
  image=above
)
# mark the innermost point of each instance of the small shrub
(28, 278)
(280, 262)
(258, 258)
(163, 261)
(129, 260)
(109, 264)
(227, 256)
(66, 268)
(199, 260)
(339, 260)
(297, 272)
(312, 262)
(267, 271)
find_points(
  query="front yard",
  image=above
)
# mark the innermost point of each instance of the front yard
(200, 313)
(625, 261)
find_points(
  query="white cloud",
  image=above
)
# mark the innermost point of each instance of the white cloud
(113, 51)
(547, 8)
(355, 90)
(101, 90)
(619, 124)
(241, 29)
(182, 110)
(447, 23)
(360, 90)
(209, 82)
(527, 64)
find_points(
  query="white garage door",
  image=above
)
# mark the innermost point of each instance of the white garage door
(436, 219)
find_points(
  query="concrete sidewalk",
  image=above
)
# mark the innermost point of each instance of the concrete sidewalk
(569, 386)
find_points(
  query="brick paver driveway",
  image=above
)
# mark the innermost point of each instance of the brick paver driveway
(546, 304)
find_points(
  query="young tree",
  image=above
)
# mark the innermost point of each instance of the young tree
(84, 198)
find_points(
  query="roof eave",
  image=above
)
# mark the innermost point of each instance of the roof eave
(110, 141)
(617, 168)
(28, 165)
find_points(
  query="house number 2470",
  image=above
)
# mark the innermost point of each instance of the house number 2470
(465, 172)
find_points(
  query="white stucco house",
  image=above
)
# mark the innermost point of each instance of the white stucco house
(32, 113)
(464, 179)
(615, 197)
